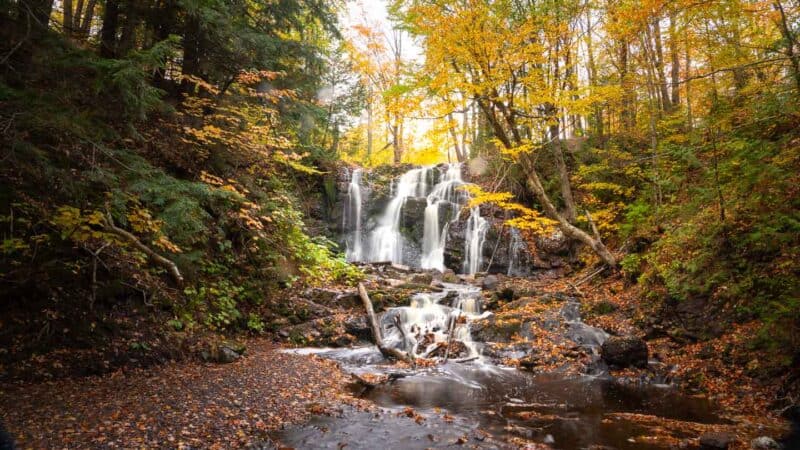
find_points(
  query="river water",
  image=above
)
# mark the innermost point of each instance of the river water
(480, 404)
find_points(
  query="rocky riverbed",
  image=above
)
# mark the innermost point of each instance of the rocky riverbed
(553, 372)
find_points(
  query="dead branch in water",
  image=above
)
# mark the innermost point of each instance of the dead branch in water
(376, 329)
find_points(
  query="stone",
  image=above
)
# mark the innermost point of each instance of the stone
(344, 340)
(449, 276)
(358, 327)
(491, 330)
(716, 440)
(530, 361)
(625, 351)
(507, 293)
(764, 443)
(422, 278)
(490, 282)
(227, 355)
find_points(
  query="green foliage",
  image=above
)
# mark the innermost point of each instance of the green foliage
(631, 265)
(731, 235)
(128, 80)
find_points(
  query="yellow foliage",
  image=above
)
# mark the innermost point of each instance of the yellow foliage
(525, 219)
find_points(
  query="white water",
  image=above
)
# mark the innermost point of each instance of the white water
(426, 320)
(516, 246)
(473, 241)
(386, 241)
(352, 217)
(445, 192)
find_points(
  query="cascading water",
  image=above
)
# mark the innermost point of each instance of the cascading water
(386, 241)
(444, 193)
(515, 248)
(473, 242)
(352, 217)
(427, 325)
(439, 186)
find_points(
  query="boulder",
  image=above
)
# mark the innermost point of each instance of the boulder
(449, 276)
(764, 443)
(224, 353)
(490, 282)
(530, 361)
(227, 355)
(625, 351)
(716, 440)
(358, 327)
(412, 219)
(422, 278)
(492, 330)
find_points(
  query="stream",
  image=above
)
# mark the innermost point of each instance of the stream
(470, 400)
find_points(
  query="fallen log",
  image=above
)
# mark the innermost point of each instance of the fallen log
(376, 329)
(171, 267)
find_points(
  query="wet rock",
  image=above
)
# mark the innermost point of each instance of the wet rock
(422, 278)
(344, 340)
(625, 351)
(492, 330)
(530, 361)
(499, 351)
(716, 440)
(589, 336)
(764, 443)
(455, 350)
(506, 293)
(412, 220)
(227, 355)
(449, 276)
(358, 327)
(490, 282)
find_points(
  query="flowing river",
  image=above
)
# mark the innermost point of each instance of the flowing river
(466, 399)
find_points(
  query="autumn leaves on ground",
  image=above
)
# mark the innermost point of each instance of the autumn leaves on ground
(170, 199)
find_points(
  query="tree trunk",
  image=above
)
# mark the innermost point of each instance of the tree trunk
(687, 64)
(369, 126)
(67, 22)
(376, 329)
(791, 44)
(192, 47)
(108, 33)
(33, 18)
(88, 16)
(535, 184)
(76, 17)
(675, 69)
(628, 114)
(563, 172)
(666, 105)
(158, 259)
(454, 134)
(127, 41)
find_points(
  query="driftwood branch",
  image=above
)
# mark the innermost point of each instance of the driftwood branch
(451, 328)
(158, 259)
(594, 227)
(376, 329)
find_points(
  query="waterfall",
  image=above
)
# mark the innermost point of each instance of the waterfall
(426, 321)
(515, 247)
(352, 217)
(443, 200)
(444, 193)
(474, 238)
(386, 241)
